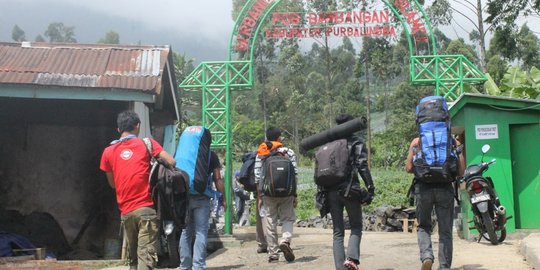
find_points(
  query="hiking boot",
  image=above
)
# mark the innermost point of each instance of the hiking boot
(426, 264)
(274, 258)
(350, 265)
(287, 251)
(262, 250)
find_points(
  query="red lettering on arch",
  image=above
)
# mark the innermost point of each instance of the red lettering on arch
(249, 22)
(241, 45)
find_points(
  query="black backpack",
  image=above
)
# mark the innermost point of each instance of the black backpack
(332, 163)
(169, 189)
(435, 158)
(247, 174)
(279, 178)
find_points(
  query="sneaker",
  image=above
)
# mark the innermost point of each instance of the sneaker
(287, 251)
(274, 258)
(426, 264)
(262, 250)
(350, 265)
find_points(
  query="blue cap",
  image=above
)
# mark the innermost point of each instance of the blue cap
(237, 174)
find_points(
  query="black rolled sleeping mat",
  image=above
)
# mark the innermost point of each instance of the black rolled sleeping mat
(335, 133)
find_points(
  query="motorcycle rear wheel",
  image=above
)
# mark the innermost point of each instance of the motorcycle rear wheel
(490, 229)
(501, 235)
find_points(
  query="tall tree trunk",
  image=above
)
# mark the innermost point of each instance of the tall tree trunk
(368, 108)
(483, 60)
(262, 77)
(296, 138)
(329, 98)
(385, 103)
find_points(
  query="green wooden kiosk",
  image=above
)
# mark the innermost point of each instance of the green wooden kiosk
(512, 128)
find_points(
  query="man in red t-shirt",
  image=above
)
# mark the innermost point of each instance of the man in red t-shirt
(126, 163)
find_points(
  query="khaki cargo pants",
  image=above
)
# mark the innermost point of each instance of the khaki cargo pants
(141, 232)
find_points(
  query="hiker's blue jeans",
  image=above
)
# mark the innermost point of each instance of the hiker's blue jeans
(194, 256)
(240, 203)
(354, 211)
(441, 198)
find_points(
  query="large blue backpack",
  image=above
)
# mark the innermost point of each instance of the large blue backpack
(193, 157)
(434, 160)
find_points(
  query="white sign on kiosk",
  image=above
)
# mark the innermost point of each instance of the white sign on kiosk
(486, 132)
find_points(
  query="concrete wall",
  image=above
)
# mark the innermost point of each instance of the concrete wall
(49, 162)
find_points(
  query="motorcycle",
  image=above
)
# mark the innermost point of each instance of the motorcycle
(489, 215)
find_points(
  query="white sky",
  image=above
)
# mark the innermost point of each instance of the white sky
(211, 18)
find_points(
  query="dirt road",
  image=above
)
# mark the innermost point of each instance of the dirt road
(313, 250)
(379, 250)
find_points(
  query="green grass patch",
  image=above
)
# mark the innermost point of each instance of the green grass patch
(391, 187)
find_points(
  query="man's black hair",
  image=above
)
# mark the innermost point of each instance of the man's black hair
(127, 120)
(273, 134)
(344, 117)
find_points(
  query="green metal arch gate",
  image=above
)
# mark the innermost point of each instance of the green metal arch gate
(216, 80)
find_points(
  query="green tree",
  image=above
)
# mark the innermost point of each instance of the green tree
(190, 101)
(496, 68)
(446, 12)
(39, 38)
(528, 46)
(458, 46)
(442, 40)
(390, 147)
(111, 37)
(504, 13)
(440, 13)
(247, 133)
(382, 67)
(504, 43)
(58, 32)
(17, 34)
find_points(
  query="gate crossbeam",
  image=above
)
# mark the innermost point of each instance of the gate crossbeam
(448, 73)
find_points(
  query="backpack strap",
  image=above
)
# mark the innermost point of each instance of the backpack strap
(351, 164)
(149, 148)
(153, 160)
(456, 184)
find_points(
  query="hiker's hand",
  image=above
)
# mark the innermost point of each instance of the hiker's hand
(371, 190)
(295, 202)
(369, 199)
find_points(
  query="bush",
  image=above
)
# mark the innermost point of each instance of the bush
(306, 204)
(391, 186)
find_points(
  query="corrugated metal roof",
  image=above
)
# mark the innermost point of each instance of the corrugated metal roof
(83, 65)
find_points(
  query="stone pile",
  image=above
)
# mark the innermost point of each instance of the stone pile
(382, 219)
(388, 219)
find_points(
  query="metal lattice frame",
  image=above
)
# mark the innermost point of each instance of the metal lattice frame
(449, 74)
(216, 80)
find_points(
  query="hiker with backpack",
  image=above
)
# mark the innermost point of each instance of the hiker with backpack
(203, 167)
(275, 172)
(433, 159)
(337, 166)
(241, 196)
(126, 163)
(248, 181)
